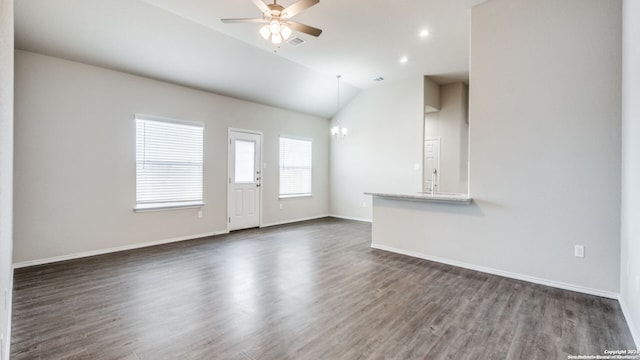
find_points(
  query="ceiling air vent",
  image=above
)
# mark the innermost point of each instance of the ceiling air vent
(296, 41)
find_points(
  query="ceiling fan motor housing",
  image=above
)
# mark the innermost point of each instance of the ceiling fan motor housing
(276, 10)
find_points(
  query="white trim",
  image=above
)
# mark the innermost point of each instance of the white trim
(7, 339)
(531, 279)
(351, 218)
(168, 206)
(114, 249)
(635, 332)
(295, 220)
(291, 196)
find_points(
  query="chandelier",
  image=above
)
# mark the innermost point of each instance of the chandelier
(338, 131)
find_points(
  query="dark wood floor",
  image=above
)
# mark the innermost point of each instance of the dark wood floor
(313, 290)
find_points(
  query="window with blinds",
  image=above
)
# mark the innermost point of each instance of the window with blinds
(295, 167)
(169, 157)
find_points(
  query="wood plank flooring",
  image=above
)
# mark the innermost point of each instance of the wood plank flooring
(312, 290)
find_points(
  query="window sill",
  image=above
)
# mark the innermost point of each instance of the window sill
(168, 206)
(294, 196)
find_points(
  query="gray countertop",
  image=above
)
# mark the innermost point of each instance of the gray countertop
(463, 199)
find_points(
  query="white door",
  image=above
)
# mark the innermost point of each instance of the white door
(431, 164)
(244, 193)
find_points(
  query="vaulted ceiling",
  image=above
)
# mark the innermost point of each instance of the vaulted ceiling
(184, 42)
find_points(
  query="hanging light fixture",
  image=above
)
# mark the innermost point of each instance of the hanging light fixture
(276, 31)
(338, 131)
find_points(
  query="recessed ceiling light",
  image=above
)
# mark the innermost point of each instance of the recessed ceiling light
(404, 60)
(424, 33)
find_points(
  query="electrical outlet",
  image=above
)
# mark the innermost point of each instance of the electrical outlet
(416, 166)
(281, 207)
(578, 251)
(364, 204)
(199, 214)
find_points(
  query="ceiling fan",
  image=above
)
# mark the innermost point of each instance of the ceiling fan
(276, 17)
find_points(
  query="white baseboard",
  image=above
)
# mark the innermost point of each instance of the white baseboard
(531, 279)
(143, 245)
(350, 218)
(294, 220)
(635, 332)
(114, 249)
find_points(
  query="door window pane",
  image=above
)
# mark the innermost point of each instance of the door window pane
(245, 161)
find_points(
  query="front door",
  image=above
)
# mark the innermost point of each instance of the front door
(244, 193)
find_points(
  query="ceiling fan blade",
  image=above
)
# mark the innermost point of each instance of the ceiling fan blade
(304, 28)
(262, 6)
(243, 20)
(297, 7)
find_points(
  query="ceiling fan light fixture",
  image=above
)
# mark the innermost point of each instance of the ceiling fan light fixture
(285, 32)
(265, 32)
(276, 17)
(274, 26)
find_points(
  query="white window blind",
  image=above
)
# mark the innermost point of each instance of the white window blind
(295, 167)
(169, 158)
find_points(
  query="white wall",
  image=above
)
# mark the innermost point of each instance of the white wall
(6, 171)
(450, 125)
(431, 95)
(545, 136)
(630, 244)
(545, 92)
(75, 158)
(384, 143)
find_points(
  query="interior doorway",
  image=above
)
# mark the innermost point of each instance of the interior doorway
(431, 164)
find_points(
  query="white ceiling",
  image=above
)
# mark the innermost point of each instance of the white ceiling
(184, 42)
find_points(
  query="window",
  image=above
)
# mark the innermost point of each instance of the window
(295, 167)
(168, 163)
(245, 161)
